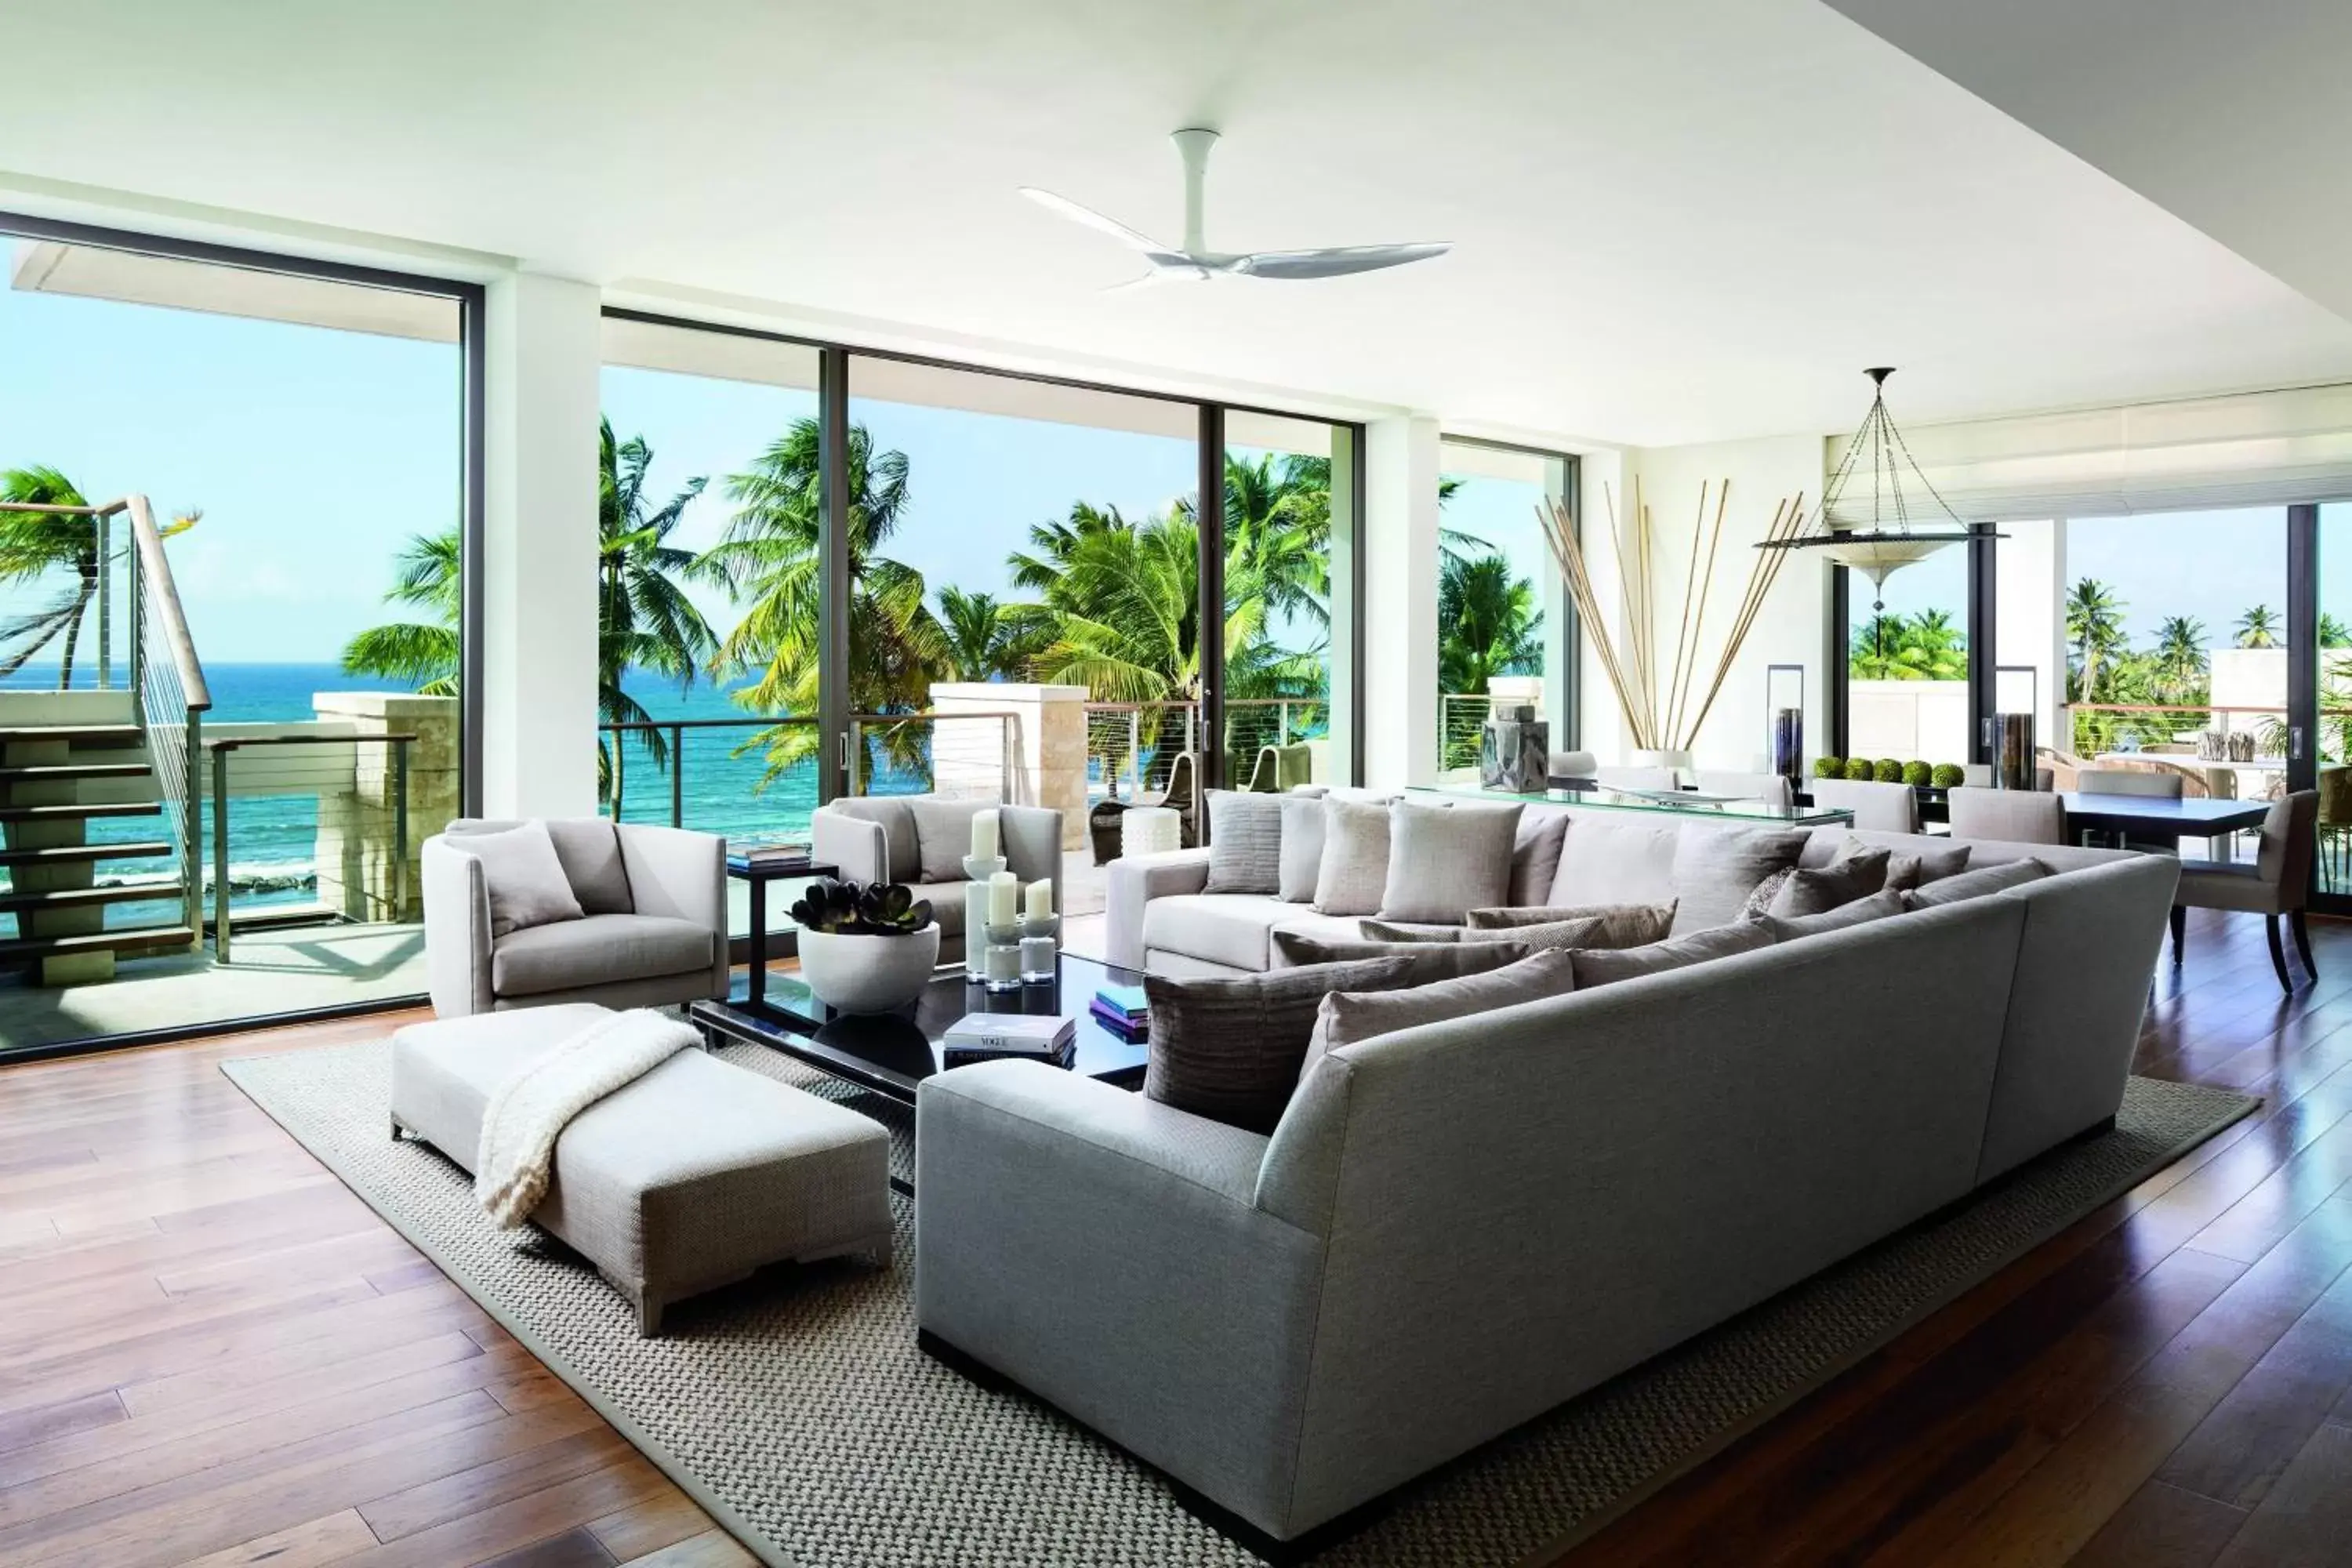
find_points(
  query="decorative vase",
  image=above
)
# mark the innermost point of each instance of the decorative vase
(1515, 750)
(859, 973)
(2014, 754)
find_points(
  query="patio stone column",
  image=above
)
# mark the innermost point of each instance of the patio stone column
(360, 873)
(1048, 746)
(1400, 607)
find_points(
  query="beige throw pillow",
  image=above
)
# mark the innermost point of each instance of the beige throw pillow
(1355, 869)
(1535, 855)
(1301, 860)
(1716, 869)
(523, 875)
(1443, 863)
(1349, 1016)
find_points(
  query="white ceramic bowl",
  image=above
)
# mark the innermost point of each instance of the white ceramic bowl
(868, 973)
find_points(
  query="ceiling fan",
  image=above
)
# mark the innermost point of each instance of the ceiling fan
(1194, 262)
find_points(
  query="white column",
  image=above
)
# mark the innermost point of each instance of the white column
(1400, 607)
(539, 558)
(2028, 610)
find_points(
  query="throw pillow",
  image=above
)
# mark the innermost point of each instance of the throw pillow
(1598, 967)
(1812, 890)
(1975, 884)
(1862, 911)
(1348, 1017)
(1624, 925)
(1390, 931)
(1716, 869)
(1355, 869)
(1599, 931)
(1430, 960)
(1916, 868)
(1230, 1049)
(525, 878)
(1244, 842)
(590, 852)
(942, 837)
(1302, 846)
(1443, 864)
(1535, 857)
(1604, 862)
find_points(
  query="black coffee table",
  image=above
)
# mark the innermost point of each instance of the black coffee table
(892, 1053)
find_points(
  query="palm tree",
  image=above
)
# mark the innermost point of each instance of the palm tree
(643, 619)
(2332, 632)
(2180, 658)
(1873, 652)
(427, 574)
(2095, 625)
(1488, 624)
(769, 556)
(1933, 649)
(2258, 629)
(35, 544)
(985, 640)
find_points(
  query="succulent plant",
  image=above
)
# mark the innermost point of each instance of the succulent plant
(1887, 770)
(1916, 774)
(1858, 768)
(1828, 767)
(850, 908)
(1946, 776)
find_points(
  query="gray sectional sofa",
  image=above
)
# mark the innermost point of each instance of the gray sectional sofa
(1456, 1227)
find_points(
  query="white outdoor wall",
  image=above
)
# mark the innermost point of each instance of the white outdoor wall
(1790, 630)
(539, 624)
(1400, 607)
(1909, 721)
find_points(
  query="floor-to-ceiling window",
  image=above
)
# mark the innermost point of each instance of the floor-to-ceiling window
(2330, 662)
(289, 442)
(1287, 593)
(1906, 665)
(1503, 633)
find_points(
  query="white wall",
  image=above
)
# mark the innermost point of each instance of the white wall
(1788, 630)
(2029, 622)
(1400, 608)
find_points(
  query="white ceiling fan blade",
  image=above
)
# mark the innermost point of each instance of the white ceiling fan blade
(1092, 219)
(1335, 261)
(1161, 272)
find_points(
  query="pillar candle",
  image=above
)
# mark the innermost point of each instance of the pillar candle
(1003, 898)
(1041, 900)
(983, 835)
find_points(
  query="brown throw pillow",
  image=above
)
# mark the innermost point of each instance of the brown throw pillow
(1391, 931)
(1347, 1017)
(1916, 868)
(1433, 960)
(1812, 890)
(1604, 968)
(1535, 857)
(1996, 878)
(1230, 1049)
(1624, 925)
(1862, 911)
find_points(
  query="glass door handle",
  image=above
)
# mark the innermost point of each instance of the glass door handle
(2294, 742)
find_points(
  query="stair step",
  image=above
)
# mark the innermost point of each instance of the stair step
(81, 810)
(74, 734)
(139, 939)
(83, 898)
(68, 854)
(58, 772)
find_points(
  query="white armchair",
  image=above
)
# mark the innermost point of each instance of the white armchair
(652, 930)
(921, 840)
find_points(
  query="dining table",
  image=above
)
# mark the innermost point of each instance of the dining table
(2154, 820)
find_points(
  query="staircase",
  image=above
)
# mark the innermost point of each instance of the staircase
(68, 759)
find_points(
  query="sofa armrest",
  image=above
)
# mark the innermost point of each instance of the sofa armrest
(680, 873)
(860, 847)
(1103, 1251)
(457, 929)
(1134, 881)
(1031, 837)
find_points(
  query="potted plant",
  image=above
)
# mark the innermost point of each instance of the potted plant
(865, 948)
(1947, 775)
(1828, 767)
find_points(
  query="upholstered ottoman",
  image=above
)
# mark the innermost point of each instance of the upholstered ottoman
(689, 1178)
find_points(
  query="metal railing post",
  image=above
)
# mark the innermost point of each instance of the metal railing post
(138, 635)
(853, 757)
(220, 853)
(1282, 723)
(620, 770)
(399, 831)
(1134, 754)
(105, 530)
(677, 778)
(191, 849)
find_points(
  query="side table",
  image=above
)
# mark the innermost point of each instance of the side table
(758, 870)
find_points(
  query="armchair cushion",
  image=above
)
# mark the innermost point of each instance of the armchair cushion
(942, 836)
(597, 950)
(902, 858)
(588, 850)
(524, 877)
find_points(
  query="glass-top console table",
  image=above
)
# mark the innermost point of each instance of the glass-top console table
(1669, 803)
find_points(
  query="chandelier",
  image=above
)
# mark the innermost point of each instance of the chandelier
(1883, 539)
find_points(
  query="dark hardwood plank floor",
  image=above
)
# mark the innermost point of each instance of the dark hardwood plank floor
(211, 1353)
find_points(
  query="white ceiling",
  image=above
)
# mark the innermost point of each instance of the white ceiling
(1674, 220)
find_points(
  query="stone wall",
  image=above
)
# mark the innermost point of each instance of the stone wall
(358, 876)
(1046, 747)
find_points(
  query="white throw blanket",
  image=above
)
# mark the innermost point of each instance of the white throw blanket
(530, 1111)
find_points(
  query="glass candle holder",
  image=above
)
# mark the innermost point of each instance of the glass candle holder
(1038, 948)
(1000, 969)
(975, 923)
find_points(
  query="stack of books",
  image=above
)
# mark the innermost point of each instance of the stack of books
(1122, 1010)
(997, 1037)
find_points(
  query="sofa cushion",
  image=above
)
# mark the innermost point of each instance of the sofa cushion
(1229, 929)
(1535, 857)
(947, 901)
(1230, 1049)
(1596, 966)
(1976, 884)
(943, 838)
(1433, 960)
(1862, 911)
(1445, 863)
(523, 876)
(1624, 925)
(1611, 862)
(1244, 842)
(1714, 870)
(1349, 1016)
(1301, 860)
(597, 950)
(1354, 872)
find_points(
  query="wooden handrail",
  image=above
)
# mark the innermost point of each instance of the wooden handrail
(109, 510)
(157, 571)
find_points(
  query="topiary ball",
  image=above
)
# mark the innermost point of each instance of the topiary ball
(1828, 767)
(1946, 776)
(1858, 769)
(1916, 774)
(1887, 770)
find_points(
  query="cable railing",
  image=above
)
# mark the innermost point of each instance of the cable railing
(170, 696)
(383, 884)
(2093, 728)
(1460, 721)
(1132, 747)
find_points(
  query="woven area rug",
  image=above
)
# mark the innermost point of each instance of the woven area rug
(798, 1410)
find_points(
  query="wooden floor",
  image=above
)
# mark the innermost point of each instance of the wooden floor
(211, 1353)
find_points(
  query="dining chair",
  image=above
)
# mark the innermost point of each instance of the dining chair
(1979, 775)
(1635, 778)
(1877, 807)
(2142, 784)
(2008, 816)
(2335, 825)
(1772, 789)
(2275, 886)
